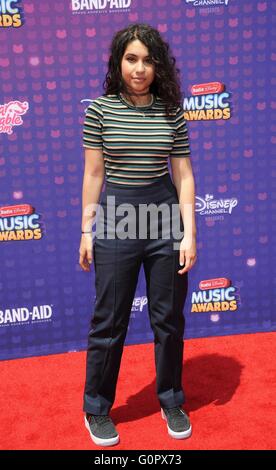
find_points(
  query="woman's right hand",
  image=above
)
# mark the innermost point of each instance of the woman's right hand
(85, 251)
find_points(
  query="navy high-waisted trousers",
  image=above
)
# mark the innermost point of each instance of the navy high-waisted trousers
(117, 264)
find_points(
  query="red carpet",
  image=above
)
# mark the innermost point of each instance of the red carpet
(229, 383)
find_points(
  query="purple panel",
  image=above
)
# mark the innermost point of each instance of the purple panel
(53, 59)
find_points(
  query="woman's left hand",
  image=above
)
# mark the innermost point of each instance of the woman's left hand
(187, 254)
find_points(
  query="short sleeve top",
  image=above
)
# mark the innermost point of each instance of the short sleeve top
(136, 141)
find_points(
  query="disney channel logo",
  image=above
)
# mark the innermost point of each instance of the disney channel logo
(211, 206)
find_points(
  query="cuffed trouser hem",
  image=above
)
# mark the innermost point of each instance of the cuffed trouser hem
(98, 406)
(170, 398)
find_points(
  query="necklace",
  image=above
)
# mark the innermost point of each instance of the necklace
(139, 108)
(141, 105)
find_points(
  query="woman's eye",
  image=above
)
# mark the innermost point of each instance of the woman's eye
(131, 59)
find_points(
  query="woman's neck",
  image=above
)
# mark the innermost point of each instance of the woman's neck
(138, 99)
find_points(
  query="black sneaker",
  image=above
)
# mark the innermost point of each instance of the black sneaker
(101, 429)
(178, 423)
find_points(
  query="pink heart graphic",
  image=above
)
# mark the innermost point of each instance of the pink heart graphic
(90, 32)
(237, 252)
(41, 135)
(48, 48)
(162, 28)
(55, 134)
(249, 208)
(74, 201)
(6, 87)
(262, 6)
(38, 98)
(51, 85)
(209, 222)
(190, 13)
(247, 34)
(27, 147)
(39, 110)
(176, 27)
(18, 48)
(49, 60)
(262, 196)
(79, 83)
(22, 86)
(27, 136)
(53, 110)
(68, 109)
(261, 106)
(148, 16)
(17, 195)
(6, 75)
(61, 214)
(176, 13)
(29, 8)
(68, 121)
(59, 180)
(233, 22)
(36, 86)
(69, 132)
(34, 61)
(233, 35)
(43, 158)
(247, 47)
(94, 83)
(191, 39)
(61, 33)
(263, 239)
(133, 17)
(72, 168)
(41, 146)
(4, 62)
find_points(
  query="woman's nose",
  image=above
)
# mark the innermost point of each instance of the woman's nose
(140, 66)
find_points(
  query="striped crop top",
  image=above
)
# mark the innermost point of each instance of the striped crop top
(136, 140)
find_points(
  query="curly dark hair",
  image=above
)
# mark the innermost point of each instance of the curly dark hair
(166, 83)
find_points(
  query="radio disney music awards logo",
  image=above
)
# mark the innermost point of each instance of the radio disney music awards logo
(11, 14)
(209, 101)
(19, 222)
(210, 206)
(100, 6)
(25, 316)
(10, 115)
(215, 296)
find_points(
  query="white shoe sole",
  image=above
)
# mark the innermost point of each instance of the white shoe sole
(101, 442)
(177, 435)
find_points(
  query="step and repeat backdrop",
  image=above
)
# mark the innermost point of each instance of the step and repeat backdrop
(53, 61)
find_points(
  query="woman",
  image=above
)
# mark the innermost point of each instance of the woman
(128, 135)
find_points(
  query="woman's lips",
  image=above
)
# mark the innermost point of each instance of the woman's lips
(139, 79)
